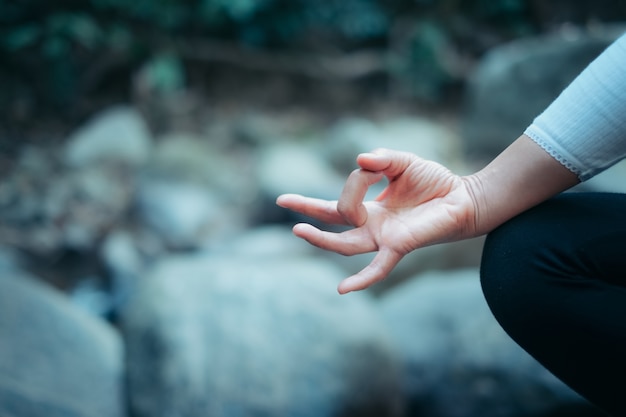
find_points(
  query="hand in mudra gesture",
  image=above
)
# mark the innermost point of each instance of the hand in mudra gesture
(423, 204)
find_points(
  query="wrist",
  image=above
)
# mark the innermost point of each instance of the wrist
(476, 205)
(521, 177)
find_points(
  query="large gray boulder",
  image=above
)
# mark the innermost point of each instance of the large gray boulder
(427, 138)
(297, 168)
(517, 81)
(292, 168)
(181, 214)
(119, 134)
(259, 336)
(458, 361)
(55, 361)
(263, 242)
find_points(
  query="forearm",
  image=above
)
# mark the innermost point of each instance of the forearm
(519, 178)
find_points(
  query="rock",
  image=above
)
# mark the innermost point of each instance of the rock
(93, 295)
(118, 134)
(88, 202)
(8, 260)
(254, 129)
(428, 139)
(257, 130)
(297, 168)
(348, 138)
(181, 214)
(458, 361)
(227, 174)
(193, 159)
(26, 211)
(121, 256)
(54, 359)
(514, 83)
(121, 265)
(226, 336)
(46, 208)
(263, 242)
(292, 168)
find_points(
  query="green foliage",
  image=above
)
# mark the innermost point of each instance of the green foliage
(351, 21)
(214, 11)
(53, 36)
(421, 65)
(58, 50)
(74, 39)
(163, 74)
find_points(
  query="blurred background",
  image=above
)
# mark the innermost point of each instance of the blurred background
(144, 267)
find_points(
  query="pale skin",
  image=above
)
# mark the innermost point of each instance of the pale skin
(425, 204)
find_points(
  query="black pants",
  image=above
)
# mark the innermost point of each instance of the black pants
(555, 279)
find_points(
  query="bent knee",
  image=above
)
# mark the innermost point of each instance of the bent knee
(511, 266)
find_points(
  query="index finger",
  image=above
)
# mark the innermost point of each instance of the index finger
(350, 204)
(322, 210)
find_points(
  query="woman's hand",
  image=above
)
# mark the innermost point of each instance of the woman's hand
(423, 204)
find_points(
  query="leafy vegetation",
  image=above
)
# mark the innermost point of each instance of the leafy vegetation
(55, 53)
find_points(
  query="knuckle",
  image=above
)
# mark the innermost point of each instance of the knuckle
(344, 208)
(352, 214)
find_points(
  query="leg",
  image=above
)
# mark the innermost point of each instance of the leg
(555, 278)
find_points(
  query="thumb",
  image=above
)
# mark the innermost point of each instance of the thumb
(391, 163)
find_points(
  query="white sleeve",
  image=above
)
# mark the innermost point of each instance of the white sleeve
(585, 127)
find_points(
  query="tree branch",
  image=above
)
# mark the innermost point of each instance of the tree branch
(349, 66)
